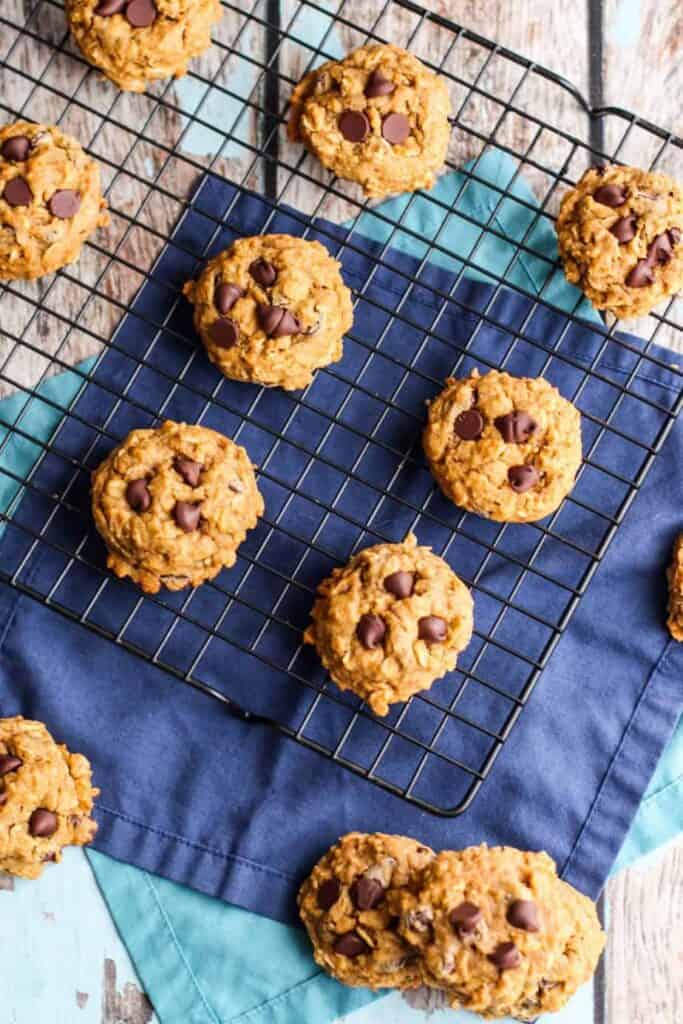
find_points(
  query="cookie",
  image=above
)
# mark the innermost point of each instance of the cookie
(675, 578)
(50, 200)
(46, 798)
(348, 907)
(390, 622)
(271, 310)
(173, 505)
(134, 42)
(379, 117)
(507, 448)
(620, 234)
(500, 933)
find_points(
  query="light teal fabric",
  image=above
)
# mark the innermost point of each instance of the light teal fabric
(205, 962)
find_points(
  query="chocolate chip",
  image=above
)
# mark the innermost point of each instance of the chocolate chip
(350, 944)
(465, 917)
(225, 297)
(141, 13)
(109, 7)
(523, 478)
(17, 192)
(505, 956)
(624, 229)
(138, 496)
(188, 469)
(42, 823)
(378, 85)
(187, 515)
(328, 893)
(367, 893)
(354, 125)
(610, 195)
(17, 148)
(469, 425)
(224, 332)
(263, 272)
(641, 275)
(432, 629)
(65, 203)
(370, 631)
(400, 584)
(524, 914)
(675, 235)
(660, 249)
(9, 763)
(277, 322)
(516, 427)
(395, 128)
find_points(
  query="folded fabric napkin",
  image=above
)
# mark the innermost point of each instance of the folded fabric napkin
(164, 805)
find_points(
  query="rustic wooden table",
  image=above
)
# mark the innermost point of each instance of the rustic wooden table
(629, 54)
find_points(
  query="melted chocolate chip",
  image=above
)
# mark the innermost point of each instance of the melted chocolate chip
(469, 425)
(660, 249)
(108, 7)
(187, 515)
(138, 496)
(675, 235)
(16, 149)
(277, 322)
(523, 478)
(640, 276)
(400, 584)
(370, 631)
(432, 628)
(42, 823)
(263, 272)
(367, 893)
(516, 427)
(9, 763)
(65, 203)
(188, 469)
(350, 944)
(378, 85)
(524, 914)
(328, 893)
(505, 956)
(624, 229)
(224, 332)
(17, 192)
(465, 917)
(141, 13)
(225, 297)
(354, 125)
(395, 128)
(610, 195)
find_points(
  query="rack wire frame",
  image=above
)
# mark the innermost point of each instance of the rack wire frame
(279, 25)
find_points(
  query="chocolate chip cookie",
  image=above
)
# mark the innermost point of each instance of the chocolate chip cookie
(46, 798)
(379, 117)
(620, 235)
(507, 448)
(349, 907)
(50, 200)
(134, 42)
(174, 504)
(500, 933)
(675, 577)
(271, 310)
(390, 622)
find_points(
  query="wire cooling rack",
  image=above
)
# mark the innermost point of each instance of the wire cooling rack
(228, 116)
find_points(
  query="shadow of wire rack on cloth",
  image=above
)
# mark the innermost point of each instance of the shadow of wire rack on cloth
(340, 465)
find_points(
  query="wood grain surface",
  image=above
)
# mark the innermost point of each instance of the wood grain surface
(152, 152)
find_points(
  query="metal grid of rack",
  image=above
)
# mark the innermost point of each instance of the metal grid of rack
(351, 440)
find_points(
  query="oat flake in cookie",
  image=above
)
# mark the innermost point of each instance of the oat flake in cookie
(507, 448)
(506, 936)
(174, 504)
(271, 310)
(379, 117)
(46, 798)
(351, 905)
(620, 234)
(134, 42)
(50, 200)
(390, 622)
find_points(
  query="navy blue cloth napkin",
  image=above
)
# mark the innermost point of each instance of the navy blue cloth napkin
(233, 808)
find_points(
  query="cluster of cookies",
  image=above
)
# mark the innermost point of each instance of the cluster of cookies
(494, 928)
